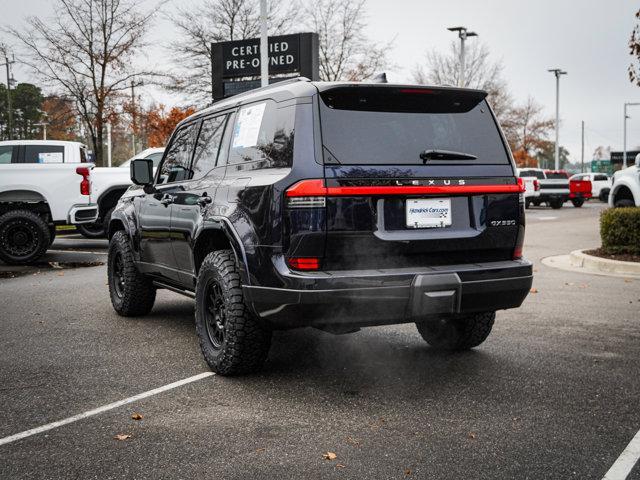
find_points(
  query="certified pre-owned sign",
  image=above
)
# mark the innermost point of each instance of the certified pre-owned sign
(242, 58)
(236, 64)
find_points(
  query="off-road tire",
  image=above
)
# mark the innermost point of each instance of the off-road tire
(135, 295)
(623, 203)
(457, 333)
(242, 342)
(536, 203)
(92, 230)
(604, 195)
(527, 203)
(555, 204)
(19, 226)
(52, 234)
(577, 202)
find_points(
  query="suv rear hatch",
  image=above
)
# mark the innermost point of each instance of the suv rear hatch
(415, 177)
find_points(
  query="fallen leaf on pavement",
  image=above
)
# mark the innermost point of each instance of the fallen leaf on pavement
(339, 465)
(122, 436)
(329, 456)
(407, 471)
(472, 435)
(136, 416)
(61, 274)
(533, 290)
(260, 449)
(627, 280)
(353, 441)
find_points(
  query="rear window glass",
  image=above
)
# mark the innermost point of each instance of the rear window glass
(263, 133)
(43, 154)
(381, 125)
(557, 175)
(532, 173)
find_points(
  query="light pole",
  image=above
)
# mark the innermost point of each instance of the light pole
(264, 45)
(463, 33)
(557, 72)
(624, 133)
(10, 81)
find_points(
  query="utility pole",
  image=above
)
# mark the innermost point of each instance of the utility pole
(624, 134)
(133, 119)
(10, 80)
(109, 144)
(582, 152)
(463, 34)
(557, 72)
(264, 45)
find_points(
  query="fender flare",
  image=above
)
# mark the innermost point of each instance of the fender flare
(112, 188)
(126, 216)
(223, 224)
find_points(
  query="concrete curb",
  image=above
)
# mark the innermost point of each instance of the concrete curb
(603, 265)
(579, 262)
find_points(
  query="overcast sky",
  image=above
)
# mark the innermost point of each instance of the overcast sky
(587, 38)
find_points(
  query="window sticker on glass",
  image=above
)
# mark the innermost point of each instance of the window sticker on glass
(247, 127)
(50, 157)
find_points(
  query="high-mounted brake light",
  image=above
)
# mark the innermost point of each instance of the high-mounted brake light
(85, 184)
(419, 91)
(304, 263)
(315, 189)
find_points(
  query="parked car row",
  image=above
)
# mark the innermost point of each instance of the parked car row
(555, 187)
(48, 183)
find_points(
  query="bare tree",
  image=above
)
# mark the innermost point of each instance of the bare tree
(346, 53)
(634, 51)
(87, 51)
(526, 128)
(480, 72)
(218, 21)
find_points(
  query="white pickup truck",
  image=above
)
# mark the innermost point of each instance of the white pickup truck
(39, 190)
(625, 191)
(108, 186)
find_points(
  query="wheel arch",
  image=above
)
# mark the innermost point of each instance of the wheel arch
(109, 198)
(24, 199)
(220, 235)
(623, 191)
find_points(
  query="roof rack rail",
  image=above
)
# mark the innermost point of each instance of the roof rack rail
(271, 85)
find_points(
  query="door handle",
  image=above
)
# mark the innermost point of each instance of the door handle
(204, 200)
(167, 199)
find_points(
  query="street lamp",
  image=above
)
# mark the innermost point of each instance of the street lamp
(624, 141)
(557, 72)
(463, 33)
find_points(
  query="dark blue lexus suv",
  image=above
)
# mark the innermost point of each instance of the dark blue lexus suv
(331, 205)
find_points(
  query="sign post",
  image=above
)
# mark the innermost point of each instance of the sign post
(237, 68)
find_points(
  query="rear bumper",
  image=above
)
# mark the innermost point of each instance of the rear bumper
(379, 297)
(87, 213)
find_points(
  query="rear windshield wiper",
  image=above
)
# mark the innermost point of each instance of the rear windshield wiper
(445, 155)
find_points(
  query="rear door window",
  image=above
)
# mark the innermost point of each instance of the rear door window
(6, 152)
(208, 145)
(600, 178)
(532, 173)
(43, 154)
(176, 166)
(394, 126)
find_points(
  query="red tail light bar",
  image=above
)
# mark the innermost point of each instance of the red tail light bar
(304, 263)
(317, 188)
(85, 184)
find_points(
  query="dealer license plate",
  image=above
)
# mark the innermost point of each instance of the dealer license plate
(428, 213)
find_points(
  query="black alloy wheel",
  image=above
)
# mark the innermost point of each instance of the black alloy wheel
(215, 313)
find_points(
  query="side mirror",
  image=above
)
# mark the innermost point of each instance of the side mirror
(141, 172)
(638, 160)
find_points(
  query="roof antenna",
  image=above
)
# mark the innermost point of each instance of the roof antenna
(379, 78)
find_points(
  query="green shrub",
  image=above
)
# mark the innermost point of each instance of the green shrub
(620, 230)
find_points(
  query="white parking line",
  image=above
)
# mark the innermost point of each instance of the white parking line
(104, 408)
(624, 464)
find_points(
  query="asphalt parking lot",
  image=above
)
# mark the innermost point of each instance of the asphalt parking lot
(553, 393)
